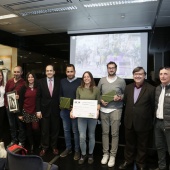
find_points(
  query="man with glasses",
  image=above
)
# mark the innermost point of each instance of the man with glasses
(162, 123)
(138, 119)
(111, 111)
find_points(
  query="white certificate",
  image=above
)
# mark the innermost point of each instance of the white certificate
(85, 108)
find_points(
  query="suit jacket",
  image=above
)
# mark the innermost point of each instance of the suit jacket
(46, 103)
(140, 114)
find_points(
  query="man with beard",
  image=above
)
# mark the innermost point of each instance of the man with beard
(15, 84)
(68, 87)
(111, 112)
(138, 119)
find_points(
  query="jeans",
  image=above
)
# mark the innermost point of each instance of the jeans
(69, 124)
(110, 119)
(15, 125)
(83, 124)
(162, 140)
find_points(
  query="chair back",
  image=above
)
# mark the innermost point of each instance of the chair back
(23, 162)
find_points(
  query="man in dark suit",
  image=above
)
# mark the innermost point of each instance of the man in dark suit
(138, 119)
(47, 107)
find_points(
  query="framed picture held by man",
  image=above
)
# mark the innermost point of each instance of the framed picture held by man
(12, 101)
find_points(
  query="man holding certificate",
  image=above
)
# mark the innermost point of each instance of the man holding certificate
(68, 87)
(112, 89)
(85, 93)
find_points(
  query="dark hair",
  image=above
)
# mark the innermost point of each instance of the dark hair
(2, 82)
(138, 69)
(92, 83)
(35, 79)
(111, 62)
(165, 67)
(70, 65)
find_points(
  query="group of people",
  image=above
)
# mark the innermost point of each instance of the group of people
(146, 107)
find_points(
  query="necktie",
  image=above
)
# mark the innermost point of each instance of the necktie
(50, 87)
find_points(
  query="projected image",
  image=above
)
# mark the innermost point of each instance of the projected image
(93, 52)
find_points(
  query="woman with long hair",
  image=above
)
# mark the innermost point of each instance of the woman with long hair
(2, 107)
(27, 105)
(87, 91)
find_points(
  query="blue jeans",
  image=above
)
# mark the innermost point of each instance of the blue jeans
(15, 125)
(69, 124)
(162, 140)
(83, 123)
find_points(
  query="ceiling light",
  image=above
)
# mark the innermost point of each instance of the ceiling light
(111, 3)
(110, 30)
(46, 11)
(8, 16)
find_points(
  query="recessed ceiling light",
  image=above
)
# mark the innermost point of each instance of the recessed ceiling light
(8, 16)
(47, 11)
(113, 3)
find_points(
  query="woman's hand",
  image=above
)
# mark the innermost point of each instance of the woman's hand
(20, 118)
(39, 115)
(97, 115)
(104, 103)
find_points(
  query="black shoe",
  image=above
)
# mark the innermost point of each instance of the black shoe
(125, 165)
(90, 159)
(141, 168)
(12, 143)
(82, 159)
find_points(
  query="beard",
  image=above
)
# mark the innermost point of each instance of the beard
(112, 74)
(17, 77)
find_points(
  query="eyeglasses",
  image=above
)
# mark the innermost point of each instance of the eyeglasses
(111, 68)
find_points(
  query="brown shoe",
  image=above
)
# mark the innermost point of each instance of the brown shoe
(42, 152)
(55, 151)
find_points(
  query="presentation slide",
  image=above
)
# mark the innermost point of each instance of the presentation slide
(93, 52)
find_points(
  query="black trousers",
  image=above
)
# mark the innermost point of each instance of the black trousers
(50, 127)
(2, 116)
(136, 146)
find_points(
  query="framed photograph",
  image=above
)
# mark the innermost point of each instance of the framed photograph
(12, 101)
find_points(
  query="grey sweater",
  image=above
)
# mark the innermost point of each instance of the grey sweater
(118, 85)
